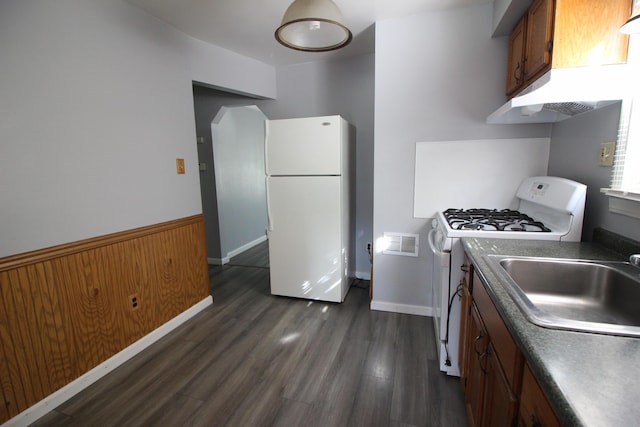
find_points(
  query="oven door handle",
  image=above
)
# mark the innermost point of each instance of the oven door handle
(432, 242)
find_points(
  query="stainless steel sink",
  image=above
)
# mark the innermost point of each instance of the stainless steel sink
(600, 297)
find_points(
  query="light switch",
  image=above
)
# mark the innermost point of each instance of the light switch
(607, 150)
(180, 166)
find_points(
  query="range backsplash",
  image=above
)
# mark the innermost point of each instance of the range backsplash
(615, 242)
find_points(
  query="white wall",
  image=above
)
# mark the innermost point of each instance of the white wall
(229, 70)
(96, 106)
(437, 77)
(238, 154)
(578, 139)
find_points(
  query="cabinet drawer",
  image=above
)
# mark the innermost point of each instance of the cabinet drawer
(508, 353)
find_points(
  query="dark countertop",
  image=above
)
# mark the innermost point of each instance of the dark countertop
(590, 379)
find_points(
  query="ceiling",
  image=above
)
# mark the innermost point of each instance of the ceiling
(247, 26)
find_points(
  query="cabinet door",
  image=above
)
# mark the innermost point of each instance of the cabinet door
(465, 306)
(500, 403)
(539, 41)
(535, 409)
(515, 64)
(465, 320)
(588, 32)
(476, 353)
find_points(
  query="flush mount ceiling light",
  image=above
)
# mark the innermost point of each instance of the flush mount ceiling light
(313, 26)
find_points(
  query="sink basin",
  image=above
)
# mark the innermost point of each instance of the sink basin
(591, 296)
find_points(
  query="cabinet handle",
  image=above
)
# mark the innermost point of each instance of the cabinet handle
(515, 73)
(482, 356)
(549, 45)
(464, 268)
(475, 343)
(535, 422)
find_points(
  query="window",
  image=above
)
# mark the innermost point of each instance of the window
(625, 180)
(626, 177)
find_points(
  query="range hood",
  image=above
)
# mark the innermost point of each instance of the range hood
(562, 93)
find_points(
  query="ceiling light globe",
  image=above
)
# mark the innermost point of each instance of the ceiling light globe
(313, 26)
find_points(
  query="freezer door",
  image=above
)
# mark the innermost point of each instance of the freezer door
(307, 146)
(306, 256)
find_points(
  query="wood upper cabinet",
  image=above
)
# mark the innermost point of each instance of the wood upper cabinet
(565, 33)
(515, 68)
(530, 46)
(539, 44)
(587, 32)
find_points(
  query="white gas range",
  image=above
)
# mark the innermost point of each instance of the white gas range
(548, 208)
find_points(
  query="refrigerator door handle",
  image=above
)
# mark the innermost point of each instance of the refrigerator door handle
(269, 216)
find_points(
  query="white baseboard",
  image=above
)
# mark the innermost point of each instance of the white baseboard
(419, 310)
(225, 260)
(55, 399)
(218, 261)
(364, 275)
(245, 247)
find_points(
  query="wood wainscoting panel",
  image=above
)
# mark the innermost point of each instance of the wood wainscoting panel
(66, 309)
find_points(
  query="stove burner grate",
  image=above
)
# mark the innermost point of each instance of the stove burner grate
(492, 220)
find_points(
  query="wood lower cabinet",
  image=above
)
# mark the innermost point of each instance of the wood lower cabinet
(464, 327)
(475, 383)
(489, 399)
(534, 408)
(499, 389)
(500, 402)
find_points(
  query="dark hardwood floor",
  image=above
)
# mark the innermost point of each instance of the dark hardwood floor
(253, 359)
(257, 256)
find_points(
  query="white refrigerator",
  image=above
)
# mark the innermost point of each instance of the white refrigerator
(308, 166)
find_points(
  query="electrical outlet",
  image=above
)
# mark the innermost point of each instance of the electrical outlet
(133, 298)
(607, 150)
